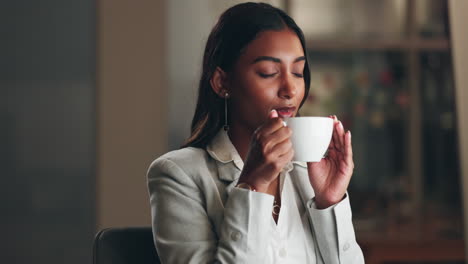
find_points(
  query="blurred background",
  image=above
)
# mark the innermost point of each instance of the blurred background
(92, 91)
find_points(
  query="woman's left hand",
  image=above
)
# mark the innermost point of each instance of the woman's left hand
(330, 177)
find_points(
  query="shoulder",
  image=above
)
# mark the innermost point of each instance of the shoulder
(184, 155)
(186, 161)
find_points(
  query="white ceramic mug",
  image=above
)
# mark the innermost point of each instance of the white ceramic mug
(311, 137)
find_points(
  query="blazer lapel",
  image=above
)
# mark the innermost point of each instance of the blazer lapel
(228, 173)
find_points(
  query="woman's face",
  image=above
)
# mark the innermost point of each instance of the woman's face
(267, 76)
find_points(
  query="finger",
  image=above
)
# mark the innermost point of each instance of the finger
(279, 135)
(340, 131)
(268, 140)
(268, 128)
(272, 124)
(273, 114)
(336, 140)
(349, 149)
(332, 142)
(280, 161)
(332, 154)
(287, 157)
(281, 148)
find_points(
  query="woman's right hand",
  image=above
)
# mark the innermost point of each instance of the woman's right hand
(270, 150)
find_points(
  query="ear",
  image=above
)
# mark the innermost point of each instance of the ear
(219, 82)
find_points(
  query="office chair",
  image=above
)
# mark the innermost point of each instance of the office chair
(128, 245)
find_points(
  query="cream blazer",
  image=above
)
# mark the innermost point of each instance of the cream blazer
(199, 216)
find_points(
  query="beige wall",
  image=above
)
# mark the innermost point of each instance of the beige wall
(458, 21)
(131, 107)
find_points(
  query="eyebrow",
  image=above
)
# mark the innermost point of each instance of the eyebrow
(273, 59)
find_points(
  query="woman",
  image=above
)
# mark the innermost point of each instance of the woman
(232, 194)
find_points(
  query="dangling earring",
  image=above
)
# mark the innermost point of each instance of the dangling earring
(226, 126)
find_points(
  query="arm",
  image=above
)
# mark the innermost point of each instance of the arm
(330, 178)
(334, 233)
(183, 231)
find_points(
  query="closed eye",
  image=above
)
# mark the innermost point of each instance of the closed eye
(263, 75)
(299, 75)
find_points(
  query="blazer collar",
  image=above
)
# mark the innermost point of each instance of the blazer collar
(222, 150)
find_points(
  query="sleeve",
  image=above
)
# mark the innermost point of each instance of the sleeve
(184, 233)
(334, 233)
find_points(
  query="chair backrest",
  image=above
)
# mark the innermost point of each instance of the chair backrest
(129, 245)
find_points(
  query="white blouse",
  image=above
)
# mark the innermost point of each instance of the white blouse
(288, 243)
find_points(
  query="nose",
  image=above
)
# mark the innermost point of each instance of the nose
(288, 87)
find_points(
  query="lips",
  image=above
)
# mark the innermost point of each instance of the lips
(286, 111)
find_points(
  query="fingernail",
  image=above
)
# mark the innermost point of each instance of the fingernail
(273, 113)
(349, 133)
(285, 124)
